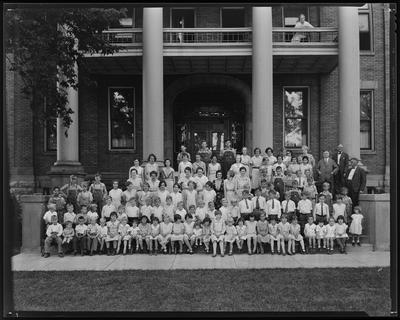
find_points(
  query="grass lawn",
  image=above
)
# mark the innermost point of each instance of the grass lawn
(344, 289)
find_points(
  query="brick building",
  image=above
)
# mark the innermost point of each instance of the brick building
(216, 73)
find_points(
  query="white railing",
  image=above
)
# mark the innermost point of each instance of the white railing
(303, 36)
(223, 36)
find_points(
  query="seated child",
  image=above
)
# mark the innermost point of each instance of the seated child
(158, 209)
(124, 236)
(242, 233)
(121, 213)
(144, 233)
(206, 233)
(262, 232)
(134, 233)
(146, 209)
(320, 233)
(180, 211)
(92, 213)
(296, 236)
(53, 234)
(284, 234)
(155, 232)
(218, 229)
(169, 208)
(251, 234)
(225, 209)
(112, 234)
(235, 211)
(102, 234)
(198, 233)
(178, 230)
(211, 211)
(201, 211)
(188, 236)
(93, 231)
(80, 238)
(273, 234)
(230, 235)
(339, 208)
(68, 233)
(330, 234)
(310, 234)
(340, 234)
(132, 210)
(165, 233)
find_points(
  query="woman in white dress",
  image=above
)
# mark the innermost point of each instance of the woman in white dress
(150, 166)
(237, 165)
(245, 160)
(213, 167)
(269, 154)
(135, 179)
(162, 193)
(256, 161)
(167, 174)
(138, 168)
(242, 182)
(229, 187)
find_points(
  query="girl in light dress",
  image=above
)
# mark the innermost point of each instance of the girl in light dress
(256, 161)
(169, 208)
(213, 167)
(356, 225)
(102, 234)
(296, 236)
(124, 236)
(340, 234)
(218, 186)
(154, 183)
(218, 229)
(201, 211)
(208, 193)
(190, 195)
(138, 171)
(237, 165)
(157, 210)
(68, 233)
(229, 187)
(99, 191)
(198, 234)
(284, 234)
(151, 166)
(262, 232)
(242, 182)
(245, 159)
(269, 154)
(163, 193)
(320, 233)
(273, 233)
(242, 233)
(330, 234)
(144, 194)
(231, 235)
(309, 233)
(188, 236)
(293, 166)
(134, 232)
(112, 233)
(144, 233)
(185, 163)
(251, 228)
(135, 179)
(165, 233)
(129, 193)
(180, 211)
(154, 235)
(235, 210)
(206, 233)
(167, 174)
(93, 232)
(178, 230)
(176, 195)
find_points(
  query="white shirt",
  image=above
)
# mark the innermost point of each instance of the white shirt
(107, 209)
(291, 206)
(158, 212)
(200, 182)
(176, 197)
(182, 213)
(261, 201)
(47, 216)
(92, 215)
(54, 228)
(323, 212)
(116, 195)
(146, 211)
(188, 227)
(309, 229)
(246, 206)
(305, 206)
(339, 210)
(351, 174)
(201, 213)
(81, 228)
(209, 196)
(276, 210)
(132, 212)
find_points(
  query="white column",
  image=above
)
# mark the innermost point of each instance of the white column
(349, 81)
(68, 147)
(153, 89)
(262, 87)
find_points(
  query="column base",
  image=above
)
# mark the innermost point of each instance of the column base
(61, 171)
(386, 182)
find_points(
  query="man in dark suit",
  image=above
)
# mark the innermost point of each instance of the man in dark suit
(355, 180)
(326, 169)
(342, 160)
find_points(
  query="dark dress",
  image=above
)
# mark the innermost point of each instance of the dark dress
(220, 193)
(279, 186)
(227, 159)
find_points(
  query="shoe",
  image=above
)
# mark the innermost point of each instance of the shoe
(109, 252)
(303, 252)
(272, 253)
(359, 244)
(230, 253)
(91, 253)
(353, 244)
(113, 253)
(46, 255)
(214, 255)
(191, 252)
(222, 255)
(75, 253)
(283, 253)
(249, 253)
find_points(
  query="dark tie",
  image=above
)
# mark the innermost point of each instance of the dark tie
(287, 205)
(322, 209)
(300, 181)
(257, 204)
(273, 203)
(247, 205)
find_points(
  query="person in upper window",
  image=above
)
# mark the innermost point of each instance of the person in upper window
(303, 24)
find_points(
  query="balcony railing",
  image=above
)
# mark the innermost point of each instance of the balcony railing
(224, 36)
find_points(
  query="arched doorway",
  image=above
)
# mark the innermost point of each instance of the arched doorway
(211, 114)
(206, 97)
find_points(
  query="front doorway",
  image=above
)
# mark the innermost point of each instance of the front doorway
(208, 114)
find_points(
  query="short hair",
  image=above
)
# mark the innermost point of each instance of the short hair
(340, 217)
(184, 154)
(199, 168)
(115, 181)
(162, 183)
(240, 219)
(206, 219)
(218, 171)
(217, 212)
(155, 219)
(255, 149)
(146, 184)
(168, 197)
(102, 220)
(128, 183)
(83, 218)
(188, 169)
(177, 185)
(152, 155)
(245, 191)
(263, 181)
(273, 192)
(113, 214)
(278, 168)
(177, 217)
(84, 206)
(153, 173)
(283, 216)
(305, 158)
(188, 215)
(193, 183)
(165, 161)
(209, 183)
(192, 206)
(97, 175)
(251, 215)
(269, 148)
(134, 170)
(294, 218)
(243, 169)
(54, 217)
(66, 222)
(358, 208)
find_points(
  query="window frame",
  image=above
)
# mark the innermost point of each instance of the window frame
(368, 11)
(110, 149)
(283, 15)
(232, 8)
(185, 8)
(284, 118)
(45, 149)
(372, 150)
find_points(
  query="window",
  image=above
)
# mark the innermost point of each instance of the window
(50, 131)
(366, 119)
(364, 22)
(295, 122)
(122, 117)
(232, 17)
(291, 15)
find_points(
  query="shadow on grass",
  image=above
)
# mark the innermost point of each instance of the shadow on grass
(344, 289)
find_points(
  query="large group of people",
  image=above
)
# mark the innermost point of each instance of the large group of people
(212, 201)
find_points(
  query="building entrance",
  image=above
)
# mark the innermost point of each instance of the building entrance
(208, 114)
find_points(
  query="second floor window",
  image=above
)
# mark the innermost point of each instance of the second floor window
(364, 21)
(366, 119)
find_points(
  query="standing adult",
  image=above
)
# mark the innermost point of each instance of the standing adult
(228, 156)
(269, 155)
(305, 152)
(342, 160)
(355, 180)
(205, 153)
(326, 169)
(256, 162)
(151, 166)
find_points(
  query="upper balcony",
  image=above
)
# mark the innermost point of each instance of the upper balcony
(229, 41)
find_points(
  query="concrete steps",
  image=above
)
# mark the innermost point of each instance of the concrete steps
(365, 247)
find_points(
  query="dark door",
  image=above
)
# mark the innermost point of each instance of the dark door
(183, 18)
(232, 18)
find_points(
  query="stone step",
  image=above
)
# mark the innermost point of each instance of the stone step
(365, 247)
